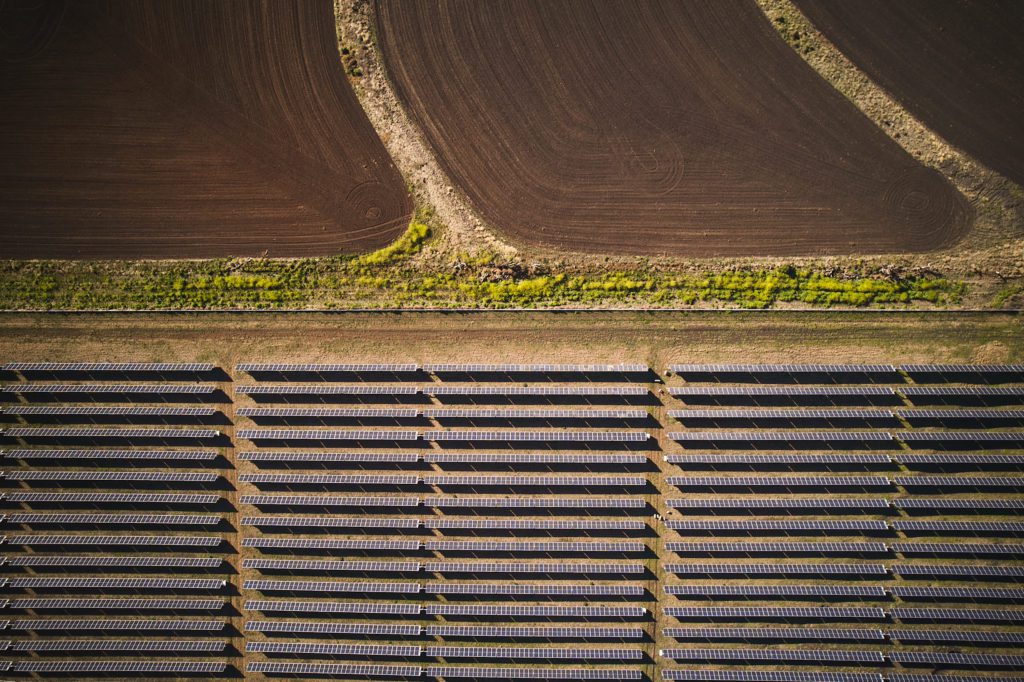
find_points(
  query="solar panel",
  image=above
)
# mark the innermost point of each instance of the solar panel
(113, 476)
(324, 367)
(770, 613)
(958, 593)
(532, 524)
(960, 414)
(956, 503)
(1011, 549)
(754, 436)
(540, 481)
(973, 437)
(331, 566)
(105, 389)
(111, 366)
(980, 636)
(330, 479)
(31, 433)
(777, 547)
(536, 390)
(782, 526)
(535, 611)
(127, 604)
(39, 560)
(513, 653)
(581, 414)
(137, 540)
(682, 391)
(68, 624)
(325, 434)
(944, 678)
(332, 627)
(363, 608)
(120, 645)
(536, 502)
(955, 369)
(319, 543)
(534, 673)
(964, 458)
(776, 503)
(531, 458)
(332, 669)
(783, 369)
(329, 501)
(320, 649)
(777, 569)
(961, 615)
(109, 411)
(115, 498)
(117, 583)
(328, 412)
(488, 546)
(779, 481)
(521, 567)
(784, 416)
(780, 591)
(956, 527)
(117, 519)
(539, 436)
(925, 391)
(780, 634)
(970, 570)
(778, 458)
(543, 589)
(935, 658)
(768, 676)
(197, 667)
(960, 481)
(538, 368)
(328, 389)
(517, 632)
(781, 655)
(328, 522)
(389, 457)
(114, 454)
(332, 586)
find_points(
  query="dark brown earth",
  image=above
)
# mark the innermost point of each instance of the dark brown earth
(185, 128)
(957, 65)
(687, 128)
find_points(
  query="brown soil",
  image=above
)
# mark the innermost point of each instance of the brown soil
(958, 65)
(185, 129)
(665, 127)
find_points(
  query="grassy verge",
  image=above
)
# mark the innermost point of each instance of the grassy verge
(401, 274)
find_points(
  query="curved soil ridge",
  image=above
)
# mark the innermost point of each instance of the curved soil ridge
(659, 128)
(191, 129)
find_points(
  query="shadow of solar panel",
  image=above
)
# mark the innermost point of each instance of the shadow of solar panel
(113, 454)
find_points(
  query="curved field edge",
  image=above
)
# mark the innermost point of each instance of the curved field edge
(998, 202)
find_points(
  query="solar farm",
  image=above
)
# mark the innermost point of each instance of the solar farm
(791, 522)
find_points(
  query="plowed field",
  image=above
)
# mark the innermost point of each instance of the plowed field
(687, 128)
(185, 128)
(958, 65)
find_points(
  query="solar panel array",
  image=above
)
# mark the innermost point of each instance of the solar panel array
(92, 558)
(799, 506)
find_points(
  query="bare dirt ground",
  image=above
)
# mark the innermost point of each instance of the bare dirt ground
(957, 66)
(646, 129)
(186, 129)
(655, 338)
